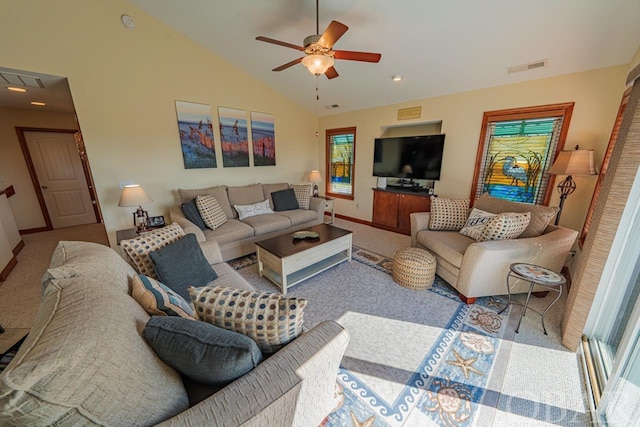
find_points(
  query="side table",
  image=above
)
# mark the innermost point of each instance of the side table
(328, 205)
(126, 234)
(536, 275)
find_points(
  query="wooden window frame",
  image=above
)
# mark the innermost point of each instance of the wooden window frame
(564, 110)
(329, 134)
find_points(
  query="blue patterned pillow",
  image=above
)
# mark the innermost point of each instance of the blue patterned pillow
(158, 299)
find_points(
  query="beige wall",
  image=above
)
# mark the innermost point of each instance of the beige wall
(13, 166)
(124, 83)
(596, 95)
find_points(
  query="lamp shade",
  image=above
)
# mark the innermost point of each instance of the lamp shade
(133, 195)
(315, 176)
(574, 162)
(317, 64)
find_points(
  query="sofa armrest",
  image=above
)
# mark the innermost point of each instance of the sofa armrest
(485, 264)
(419, 221)
(317, 204)
(294, 387)
(176, 215)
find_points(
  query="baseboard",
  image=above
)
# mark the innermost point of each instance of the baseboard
(359, 221)
(34, 230)
(18, 248)
(5, 273)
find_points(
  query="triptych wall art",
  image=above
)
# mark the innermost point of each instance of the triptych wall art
(197, 141)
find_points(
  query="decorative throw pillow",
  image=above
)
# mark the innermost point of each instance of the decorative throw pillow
(140, 247)
(271, 320)
(303, 194)
(475, 223)
(448, 214)
(507, 225)
(182, 264)
(284, 200)
(200, 351)
(190, 211)
(260, 208)
(210, 211)
(158, 299)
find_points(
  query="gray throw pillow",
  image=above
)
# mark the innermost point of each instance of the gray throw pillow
(191, 212)
(284, 200)
(200, 351)
(182, 264)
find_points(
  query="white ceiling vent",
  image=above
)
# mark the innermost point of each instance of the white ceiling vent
(20, 80)
(530, 66)
(331, 106)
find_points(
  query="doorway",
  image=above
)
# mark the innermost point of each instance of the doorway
(61, 176)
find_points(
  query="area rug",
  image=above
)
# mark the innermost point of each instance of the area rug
(415, 358)
(7, 357)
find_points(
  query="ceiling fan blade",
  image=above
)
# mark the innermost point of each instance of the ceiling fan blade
(331, 73)
(279, 43)
(357, 56)
(288, 64)
(334, 31)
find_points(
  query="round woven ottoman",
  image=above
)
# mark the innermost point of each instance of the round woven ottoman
(414, 268)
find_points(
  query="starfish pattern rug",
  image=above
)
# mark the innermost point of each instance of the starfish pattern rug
(415, 358)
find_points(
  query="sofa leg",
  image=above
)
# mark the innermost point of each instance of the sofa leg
(467, 300)
(541, 294)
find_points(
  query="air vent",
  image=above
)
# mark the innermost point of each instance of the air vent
(20, 80)
(530, 66)
(331, 106)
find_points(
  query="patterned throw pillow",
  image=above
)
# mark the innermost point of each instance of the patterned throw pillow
(271, 320)
(260, 208)
(476, 223)
(448, 214)
(158, 299)
(210, 211)
(140, 247)
(303, 194)
(507, 225)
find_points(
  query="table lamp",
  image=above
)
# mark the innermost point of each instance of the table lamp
(134, 195)
(315, 177)
(571, 162)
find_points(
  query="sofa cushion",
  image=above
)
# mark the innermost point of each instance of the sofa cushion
(540, 215)
(247, 211)
(219, 192)
(210, 211)
(267, 189)
(191, 212)
(448, 214)
(140, 247)
(284, 200)
(447, 245)
(158, 299)
(271, 320)
(200, 351)
(303, 194)
(229, 278)
(245, 195)
(263, 224)
(91, 260)
(181, 264)
(231, 231)
(476, 223)
(300, 216)
(85, 363)
(506, 225)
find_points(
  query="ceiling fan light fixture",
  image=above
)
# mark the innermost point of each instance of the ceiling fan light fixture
(317, 64)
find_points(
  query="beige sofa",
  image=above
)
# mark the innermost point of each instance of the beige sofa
(236, 237)
(86, 362)
(477, 269)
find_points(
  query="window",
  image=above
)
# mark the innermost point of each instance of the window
(341, 158)
(516, 148)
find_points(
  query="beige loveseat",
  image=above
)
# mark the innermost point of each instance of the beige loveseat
(85, 361)
(477, 269)
(237, 237)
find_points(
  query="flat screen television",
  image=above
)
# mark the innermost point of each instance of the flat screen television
(412, 157)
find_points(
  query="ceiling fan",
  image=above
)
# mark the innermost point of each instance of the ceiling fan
(320, 56)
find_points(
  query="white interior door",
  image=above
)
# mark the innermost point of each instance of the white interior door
(62, 182)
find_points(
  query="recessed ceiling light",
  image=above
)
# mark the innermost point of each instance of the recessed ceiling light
(39, 104)
(396, 77)
(16, 89)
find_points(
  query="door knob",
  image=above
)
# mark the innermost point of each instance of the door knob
(44, 187)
